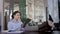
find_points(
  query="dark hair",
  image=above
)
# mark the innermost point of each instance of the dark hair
(14, 13)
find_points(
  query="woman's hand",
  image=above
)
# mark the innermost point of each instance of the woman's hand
(18, 29)
(21, 25)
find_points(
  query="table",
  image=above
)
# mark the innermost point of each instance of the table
(31, 32)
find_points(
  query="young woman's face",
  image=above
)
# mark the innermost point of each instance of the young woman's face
(17, 16)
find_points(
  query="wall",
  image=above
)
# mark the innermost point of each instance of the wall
(53, 9)
(1, 13)
(35, 9)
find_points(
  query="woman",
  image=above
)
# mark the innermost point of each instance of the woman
(15, 23)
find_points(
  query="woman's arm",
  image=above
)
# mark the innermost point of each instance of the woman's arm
(10, 26)
(20, 26)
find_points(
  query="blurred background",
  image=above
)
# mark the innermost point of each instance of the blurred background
(36, 10)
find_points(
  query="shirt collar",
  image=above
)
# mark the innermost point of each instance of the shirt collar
(16, 21)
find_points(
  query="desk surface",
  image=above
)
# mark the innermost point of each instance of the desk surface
(55, 32)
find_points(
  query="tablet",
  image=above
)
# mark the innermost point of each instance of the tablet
(26, 22)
